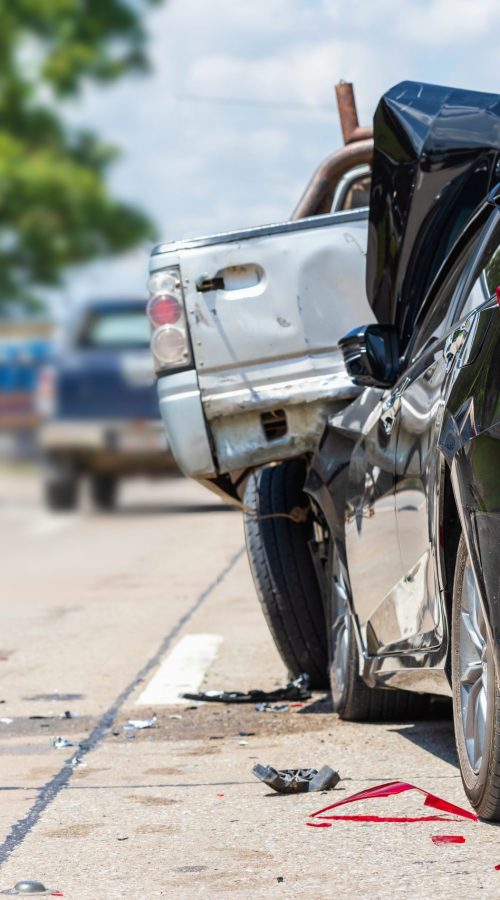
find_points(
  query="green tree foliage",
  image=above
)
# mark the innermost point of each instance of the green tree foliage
(55, 209)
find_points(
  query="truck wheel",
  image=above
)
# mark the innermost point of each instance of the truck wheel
(352, 699)
(61, 485)
(103, 489)
(283, 569)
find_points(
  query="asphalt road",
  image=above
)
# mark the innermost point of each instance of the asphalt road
(100, 616)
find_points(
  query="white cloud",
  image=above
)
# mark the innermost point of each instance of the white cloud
(447, 23)
(201, 167)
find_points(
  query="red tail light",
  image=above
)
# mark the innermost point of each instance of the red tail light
(164, 310)
(169, 333)
(45, 393)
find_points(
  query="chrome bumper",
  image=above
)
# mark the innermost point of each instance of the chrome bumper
(108, 435)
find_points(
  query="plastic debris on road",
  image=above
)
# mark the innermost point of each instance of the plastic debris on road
(297, 781)
(140, 724)
(388, 790)
(269, 707)
(294, 690)
(6, 721)
(76, 762)
(60, 743)
(448, 839)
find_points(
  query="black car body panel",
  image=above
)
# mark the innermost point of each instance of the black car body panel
(404, 470)
(470, 441)
(435, 158)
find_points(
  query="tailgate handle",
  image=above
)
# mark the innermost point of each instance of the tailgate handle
(204, 284)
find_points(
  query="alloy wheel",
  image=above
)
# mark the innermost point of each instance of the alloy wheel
(338, 634)
(475, 669)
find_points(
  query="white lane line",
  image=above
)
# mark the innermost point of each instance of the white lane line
(183, 670)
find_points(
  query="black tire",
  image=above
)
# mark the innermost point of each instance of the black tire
(61, 485)
(481, 781)
(103, 490)
(352, 699)
(283, 569)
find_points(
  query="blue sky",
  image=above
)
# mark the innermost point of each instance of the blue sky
(198, 166)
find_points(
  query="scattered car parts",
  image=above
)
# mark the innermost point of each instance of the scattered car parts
(297, 781)
(298, 689)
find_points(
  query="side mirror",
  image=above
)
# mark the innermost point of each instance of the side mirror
(371, 355)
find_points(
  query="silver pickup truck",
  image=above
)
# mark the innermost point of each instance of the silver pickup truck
(244, 337)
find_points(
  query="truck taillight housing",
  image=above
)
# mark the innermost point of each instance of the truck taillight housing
(45, 393)
(167, 316)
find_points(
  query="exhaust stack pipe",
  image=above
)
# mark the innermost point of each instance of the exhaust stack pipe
(318, 196)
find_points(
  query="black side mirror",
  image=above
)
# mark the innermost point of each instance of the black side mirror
(371, 355)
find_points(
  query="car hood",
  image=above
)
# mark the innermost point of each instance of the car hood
(435, 158)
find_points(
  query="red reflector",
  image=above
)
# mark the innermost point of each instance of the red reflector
(497, 291)
(164, 310)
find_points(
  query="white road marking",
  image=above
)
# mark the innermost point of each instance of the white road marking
(183, 670)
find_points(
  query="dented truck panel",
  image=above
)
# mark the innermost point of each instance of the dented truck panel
(265, 309)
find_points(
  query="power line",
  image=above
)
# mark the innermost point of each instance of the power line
(248, 101)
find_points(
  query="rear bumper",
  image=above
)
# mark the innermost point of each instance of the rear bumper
(108, 445)
(182, 413)
(210, 436)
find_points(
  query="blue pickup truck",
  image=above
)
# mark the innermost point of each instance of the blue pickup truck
(99, 408)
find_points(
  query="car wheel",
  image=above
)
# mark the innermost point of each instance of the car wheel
(283, 569)
(476, 697)
(61, 485)
(352, 699)
(103, 490)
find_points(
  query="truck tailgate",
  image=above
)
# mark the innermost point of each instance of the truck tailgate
(266, 308)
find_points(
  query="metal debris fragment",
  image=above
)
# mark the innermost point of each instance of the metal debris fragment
(297, 781)
(27, 887)
(298, 689)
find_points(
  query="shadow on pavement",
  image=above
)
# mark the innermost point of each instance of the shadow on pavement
(433, 733)
(321, 705)
(150, 509)
(435, 737)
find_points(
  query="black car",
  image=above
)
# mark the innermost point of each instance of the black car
(406, 481)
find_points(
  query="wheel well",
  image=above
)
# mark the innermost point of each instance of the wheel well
(451, 530)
